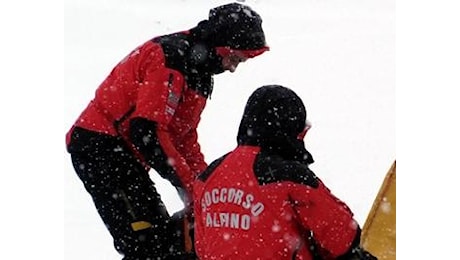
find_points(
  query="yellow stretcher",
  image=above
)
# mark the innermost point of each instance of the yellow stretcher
(379, 231)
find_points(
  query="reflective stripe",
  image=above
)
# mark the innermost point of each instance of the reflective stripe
(139, 225)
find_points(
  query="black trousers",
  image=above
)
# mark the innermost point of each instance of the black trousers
(126, 198)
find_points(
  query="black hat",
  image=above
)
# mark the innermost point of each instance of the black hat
(235, 26)
(274, 110)
(273, 118)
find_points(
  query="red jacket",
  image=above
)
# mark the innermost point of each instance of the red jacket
(249, 205)
(145, 86)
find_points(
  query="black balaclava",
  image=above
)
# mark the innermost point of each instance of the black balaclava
(273, 118)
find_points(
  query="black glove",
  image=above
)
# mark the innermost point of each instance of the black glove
(360, 253)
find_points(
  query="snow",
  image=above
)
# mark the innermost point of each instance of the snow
(339, 56)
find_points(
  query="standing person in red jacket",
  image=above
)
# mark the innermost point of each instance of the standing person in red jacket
(261, 200)
(145, 115)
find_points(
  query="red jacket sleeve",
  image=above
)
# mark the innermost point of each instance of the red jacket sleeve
(176, 161)
(158, 99)
(191, 151)
(197, 210)
(330, 220)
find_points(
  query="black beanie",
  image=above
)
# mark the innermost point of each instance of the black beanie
(273, 118)
(274, 110)
(233, 25)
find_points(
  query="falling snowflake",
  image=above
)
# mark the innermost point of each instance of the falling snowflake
(276, 228)
(385, 207)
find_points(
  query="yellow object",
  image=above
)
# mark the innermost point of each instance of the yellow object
(139, 225)
(379, 232)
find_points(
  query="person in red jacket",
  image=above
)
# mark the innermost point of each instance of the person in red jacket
(261, 200)
(145, 115)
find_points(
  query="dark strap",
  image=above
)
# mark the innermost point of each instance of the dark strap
(306, 236)
(118, 122)
(312, 245)
(182, 231)
(188, 232)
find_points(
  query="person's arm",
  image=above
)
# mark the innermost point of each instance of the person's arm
(157, 100)
(185, 125)
(191, 151)
(356, 252)
(333, 229)
(198, 225)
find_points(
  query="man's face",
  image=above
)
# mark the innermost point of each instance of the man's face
(231, 58)
(230, 62)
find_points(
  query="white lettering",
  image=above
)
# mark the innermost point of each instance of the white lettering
(223, 193)
(208, 220)
(207, 198)
(215, 221)
(224, 219)
(231, 194)
(245, 222)
(257, 209)
(235, 220)
(239, 194)
(215, 198)
(229, 220)
(247, 203)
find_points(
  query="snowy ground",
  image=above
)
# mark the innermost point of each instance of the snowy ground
(339, 56)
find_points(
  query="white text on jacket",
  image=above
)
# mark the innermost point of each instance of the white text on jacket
(240, 219)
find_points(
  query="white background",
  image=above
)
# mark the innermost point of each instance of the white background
(97, 34)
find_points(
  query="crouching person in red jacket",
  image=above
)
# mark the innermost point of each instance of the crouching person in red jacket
(145, 115)
(261, 200)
